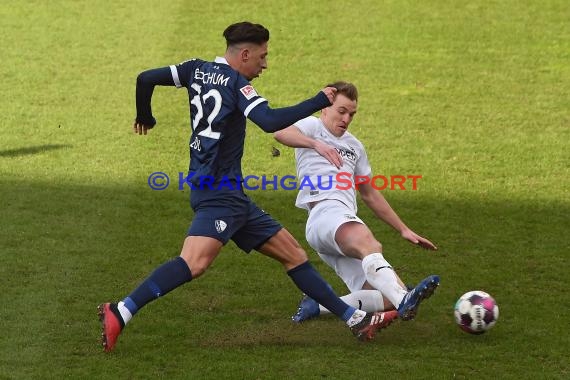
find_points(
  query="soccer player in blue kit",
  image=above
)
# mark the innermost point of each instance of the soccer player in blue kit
(221, 98)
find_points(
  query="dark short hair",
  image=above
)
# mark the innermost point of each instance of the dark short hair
(246, 32)
(347, 89)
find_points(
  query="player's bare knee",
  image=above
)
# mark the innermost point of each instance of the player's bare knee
(300, 256)
(376, 246)
(197, 267)
(197, 270)
(360, 248)
(294, 258)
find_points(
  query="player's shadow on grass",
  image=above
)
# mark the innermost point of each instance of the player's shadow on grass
(80, 244)
(30, 150)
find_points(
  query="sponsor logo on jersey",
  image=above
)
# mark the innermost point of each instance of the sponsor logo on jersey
(349, 217)
(348, 154)
(248, 91)
(314, 192)
(220, 225)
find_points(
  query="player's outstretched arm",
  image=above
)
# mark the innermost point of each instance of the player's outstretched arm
(273, 120)
(382, 209)
(145, 87)
(294, 138)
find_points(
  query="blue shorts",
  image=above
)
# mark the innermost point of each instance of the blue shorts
(242, 221)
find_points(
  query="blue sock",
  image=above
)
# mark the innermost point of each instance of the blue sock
(165, 278)
(312, 284)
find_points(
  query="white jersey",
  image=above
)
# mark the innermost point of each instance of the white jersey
(317, 178)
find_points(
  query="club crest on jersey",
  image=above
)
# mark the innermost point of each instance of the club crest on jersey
(248, 91)
(220, 225)
(196, 144)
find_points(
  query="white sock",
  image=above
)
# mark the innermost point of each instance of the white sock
(125, 313)
(366, 300)
(381, 276)
(357, 316)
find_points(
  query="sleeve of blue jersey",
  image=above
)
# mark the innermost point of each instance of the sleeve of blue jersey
(273, 120)
(182, 72)
(174, 75)
(145, 87)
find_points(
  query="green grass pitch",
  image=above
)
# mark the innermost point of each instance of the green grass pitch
(472, 95)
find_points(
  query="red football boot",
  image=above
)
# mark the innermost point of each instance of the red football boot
(112, 325)
(372, 322)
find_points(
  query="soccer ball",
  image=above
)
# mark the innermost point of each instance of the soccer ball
(476, 312)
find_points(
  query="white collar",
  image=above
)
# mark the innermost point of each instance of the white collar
(221, 60)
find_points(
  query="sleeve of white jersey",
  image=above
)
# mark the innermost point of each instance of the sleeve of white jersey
(362, 165)
(308, 126)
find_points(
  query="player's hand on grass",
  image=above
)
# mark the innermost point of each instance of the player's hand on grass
(329, 152)
(140, 128)
(416, 239)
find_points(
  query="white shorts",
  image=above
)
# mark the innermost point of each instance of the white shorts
(323, 222)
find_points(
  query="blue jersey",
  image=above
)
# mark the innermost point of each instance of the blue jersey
(220, 101)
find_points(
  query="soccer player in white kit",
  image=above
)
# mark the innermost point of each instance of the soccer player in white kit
(331, 165)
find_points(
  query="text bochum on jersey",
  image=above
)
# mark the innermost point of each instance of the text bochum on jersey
(220, 99)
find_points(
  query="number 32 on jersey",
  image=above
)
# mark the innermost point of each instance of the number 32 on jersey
(199, 101)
